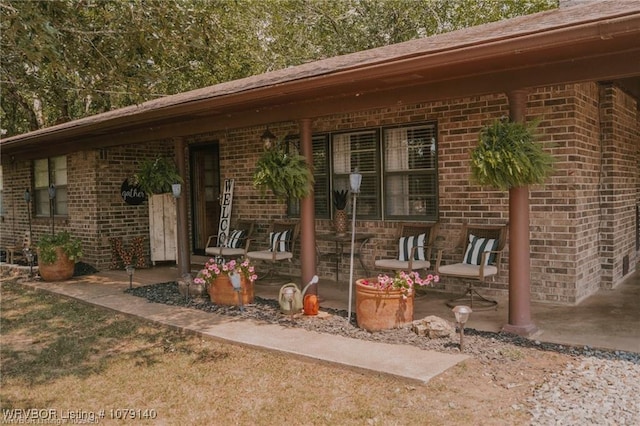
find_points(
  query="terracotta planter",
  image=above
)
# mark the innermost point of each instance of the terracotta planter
(221, 291)
(60, 270)
(381, 309)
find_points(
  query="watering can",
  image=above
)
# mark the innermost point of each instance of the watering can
(292, 300)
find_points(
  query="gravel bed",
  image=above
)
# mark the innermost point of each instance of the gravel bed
(598, 387)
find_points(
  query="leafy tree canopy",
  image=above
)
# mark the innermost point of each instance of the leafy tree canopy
(66, 59)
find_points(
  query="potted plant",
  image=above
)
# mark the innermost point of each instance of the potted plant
(287, 175)
(215, 277)
(508, 157)
(57, 256)
(340, 218)
(156, 177)
(387, 301)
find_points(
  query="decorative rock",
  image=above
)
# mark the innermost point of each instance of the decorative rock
(433, 327)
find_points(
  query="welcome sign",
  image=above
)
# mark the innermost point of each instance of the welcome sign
(225, 211)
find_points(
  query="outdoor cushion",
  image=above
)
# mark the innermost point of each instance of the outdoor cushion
(475, 248)
(407, 243)
(235, 239)
(279, 241)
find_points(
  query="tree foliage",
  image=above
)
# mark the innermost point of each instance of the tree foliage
(66, 59)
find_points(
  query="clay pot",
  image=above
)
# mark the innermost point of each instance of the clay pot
(60, 270)
(221, 291)
(381, 309)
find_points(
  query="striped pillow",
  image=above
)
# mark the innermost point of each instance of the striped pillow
(477, 245)
(279, 241)
(407, 243)
(235, 239)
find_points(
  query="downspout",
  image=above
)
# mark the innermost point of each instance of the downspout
(307, 214)
(519, 254)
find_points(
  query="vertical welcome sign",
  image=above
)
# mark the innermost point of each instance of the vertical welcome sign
(225, 211)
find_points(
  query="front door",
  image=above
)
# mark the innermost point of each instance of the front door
(205, 193)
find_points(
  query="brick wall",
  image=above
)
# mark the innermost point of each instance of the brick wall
(582, 220)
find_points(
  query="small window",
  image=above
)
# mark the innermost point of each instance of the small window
(50, 173)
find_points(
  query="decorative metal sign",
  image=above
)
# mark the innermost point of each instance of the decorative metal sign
(132, 194)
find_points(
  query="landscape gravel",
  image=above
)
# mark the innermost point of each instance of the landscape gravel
(598, 387)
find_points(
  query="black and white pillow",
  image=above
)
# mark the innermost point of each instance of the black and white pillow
(477, 245)
(279, 241)
(407, 243)
(235, 239)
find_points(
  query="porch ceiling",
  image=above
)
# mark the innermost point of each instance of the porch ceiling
(585, 43)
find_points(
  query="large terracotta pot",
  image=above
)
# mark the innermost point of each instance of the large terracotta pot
(381, 309)
(60, 270)
(221, 291)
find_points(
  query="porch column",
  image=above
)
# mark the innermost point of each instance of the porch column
(307, 214)
(519, 259)
(184, 258)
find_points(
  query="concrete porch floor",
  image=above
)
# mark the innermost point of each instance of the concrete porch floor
(610, 319)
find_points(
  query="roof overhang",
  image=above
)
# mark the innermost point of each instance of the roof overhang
(598, 42)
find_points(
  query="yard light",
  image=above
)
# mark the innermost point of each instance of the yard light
(461, 313)
(355, 179)
(27, 199)
(130, 270)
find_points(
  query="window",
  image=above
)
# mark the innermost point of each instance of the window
(320, 144)
(410, 178)
(1, 193)
(398, 166)
(357, 152)
(47, 172)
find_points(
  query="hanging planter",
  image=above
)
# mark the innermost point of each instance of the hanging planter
(507, 156)
(157, 175)
(287, 175)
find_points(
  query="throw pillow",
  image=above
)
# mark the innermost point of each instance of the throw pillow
(279, 241)
(477, 245)
(235, 239)
(407, 243)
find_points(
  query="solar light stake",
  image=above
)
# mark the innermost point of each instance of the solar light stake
(130, 270)
(461, 313)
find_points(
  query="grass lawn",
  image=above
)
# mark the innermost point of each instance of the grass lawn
(65, 358)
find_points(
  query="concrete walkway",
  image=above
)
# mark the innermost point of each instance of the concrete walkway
(107, 290)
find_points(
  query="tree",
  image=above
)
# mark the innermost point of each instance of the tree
(66, 59)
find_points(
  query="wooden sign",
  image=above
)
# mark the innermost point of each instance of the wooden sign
(225, 211)
(132, 194)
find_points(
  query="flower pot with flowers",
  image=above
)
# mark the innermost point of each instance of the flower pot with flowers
(215, 276)
(387, 301)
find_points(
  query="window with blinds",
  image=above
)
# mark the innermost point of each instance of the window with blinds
(50, 171)
(410, 175)
(321, 189)
(358, 152)
(398, 167)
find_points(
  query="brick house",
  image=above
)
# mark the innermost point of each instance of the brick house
(576, 69)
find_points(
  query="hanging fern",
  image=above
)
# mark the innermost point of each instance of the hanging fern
(507, 156)
(157, 175)
(287, 175)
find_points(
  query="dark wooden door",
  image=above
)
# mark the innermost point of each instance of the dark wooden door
(205, 193)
